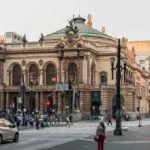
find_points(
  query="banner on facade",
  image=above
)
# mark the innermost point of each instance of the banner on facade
(61, 87)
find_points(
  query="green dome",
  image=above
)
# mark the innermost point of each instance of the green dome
(83, 30)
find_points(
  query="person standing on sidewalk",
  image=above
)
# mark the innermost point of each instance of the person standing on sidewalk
(100, 131)
(67, 121)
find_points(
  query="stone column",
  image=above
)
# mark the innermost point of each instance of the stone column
(62, 71)
(54, 98)
(59, 70)
(59, 103)
(1, 100)
(81, 70)
(7, 100)
(41, 101)
(88, 70)
(37, 100)
(41, 77)
(81, 102)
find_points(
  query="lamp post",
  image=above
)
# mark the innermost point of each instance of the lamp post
(118, 68)
(139, 114)
(22, 96)
(31, 95)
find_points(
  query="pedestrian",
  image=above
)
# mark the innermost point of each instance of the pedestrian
(70, 118)
(18, 121)
(100, 132)
(31, 121)
(109, 120)
(37, 122)
(67, 121)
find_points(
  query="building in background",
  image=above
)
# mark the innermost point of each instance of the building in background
(142, 49)
(70, 71)
(10, 37)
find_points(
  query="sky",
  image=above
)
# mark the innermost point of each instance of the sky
(128, 18)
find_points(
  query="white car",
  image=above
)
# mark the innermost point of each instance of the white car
(8, 131)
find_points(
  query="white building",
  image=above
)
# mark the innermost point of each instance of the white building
(12, 37)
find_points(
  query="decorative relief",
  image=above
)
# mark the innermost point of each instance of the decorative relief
(40, 62)
(23, 62)
(71, 39)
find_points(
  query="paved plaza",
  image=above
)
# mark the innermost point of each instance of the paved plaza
(80, 136)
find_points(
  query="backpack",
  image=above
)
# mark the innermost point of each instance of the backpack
(100, 130)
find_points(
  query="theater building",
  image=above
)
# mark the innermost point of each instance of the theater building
(70, 71)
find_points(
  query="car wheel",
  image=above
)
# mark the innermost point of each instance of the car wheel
(16, 138)
(1, 139)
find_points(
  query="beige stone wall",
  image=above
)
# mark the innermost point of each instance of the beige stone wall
(98, 52)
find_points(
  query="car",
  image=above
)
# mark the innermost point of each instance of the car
(8, 131)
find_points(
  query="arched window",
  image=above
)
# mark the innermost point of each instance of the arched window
(72, 73)
(93, 74)
(103, 77)
(16, 75)
(33, 75)
(51, 74)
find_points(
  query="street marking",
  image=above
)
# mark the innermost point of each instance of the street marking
(55, 144)
(118, 142)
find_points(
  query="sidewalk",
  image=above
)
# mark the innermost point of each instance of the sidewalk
(140, 134)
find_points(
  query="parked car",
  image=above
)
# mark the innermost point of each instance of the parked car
(8, 131)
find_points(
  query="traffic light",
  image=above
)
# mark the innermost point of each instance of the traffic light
(48, 104)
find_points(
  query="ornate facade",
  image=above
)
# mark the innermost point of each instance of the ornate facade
(78, 55)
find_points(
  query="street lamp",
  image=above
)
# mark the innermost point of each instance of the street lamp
(118, 68)
(139, 113)
(22, 96)
(31, 95)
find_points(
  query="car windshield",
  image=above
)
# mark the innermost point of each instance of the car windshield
(7, 123)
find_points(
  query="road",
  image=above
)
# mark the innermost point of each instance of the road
(80, 137)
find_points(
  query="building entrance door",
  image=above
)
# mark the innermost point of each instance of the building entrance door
(32, 104)
(95, 103)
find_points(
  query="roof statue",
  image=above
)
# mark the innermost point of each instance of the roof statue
(71, 38)
(24, 40)
(89, 21)
(71, 29)
(41, 39)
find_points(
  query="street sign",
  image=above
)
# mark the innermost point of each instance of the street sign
(61, 87)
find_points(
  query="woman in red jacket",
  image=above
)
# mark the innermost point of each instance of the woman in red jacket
(100, 132)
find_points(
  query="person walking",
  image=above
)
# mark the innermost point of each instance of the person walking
(67, 121)
(109, 120)
(100, 132)
(18, 121)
